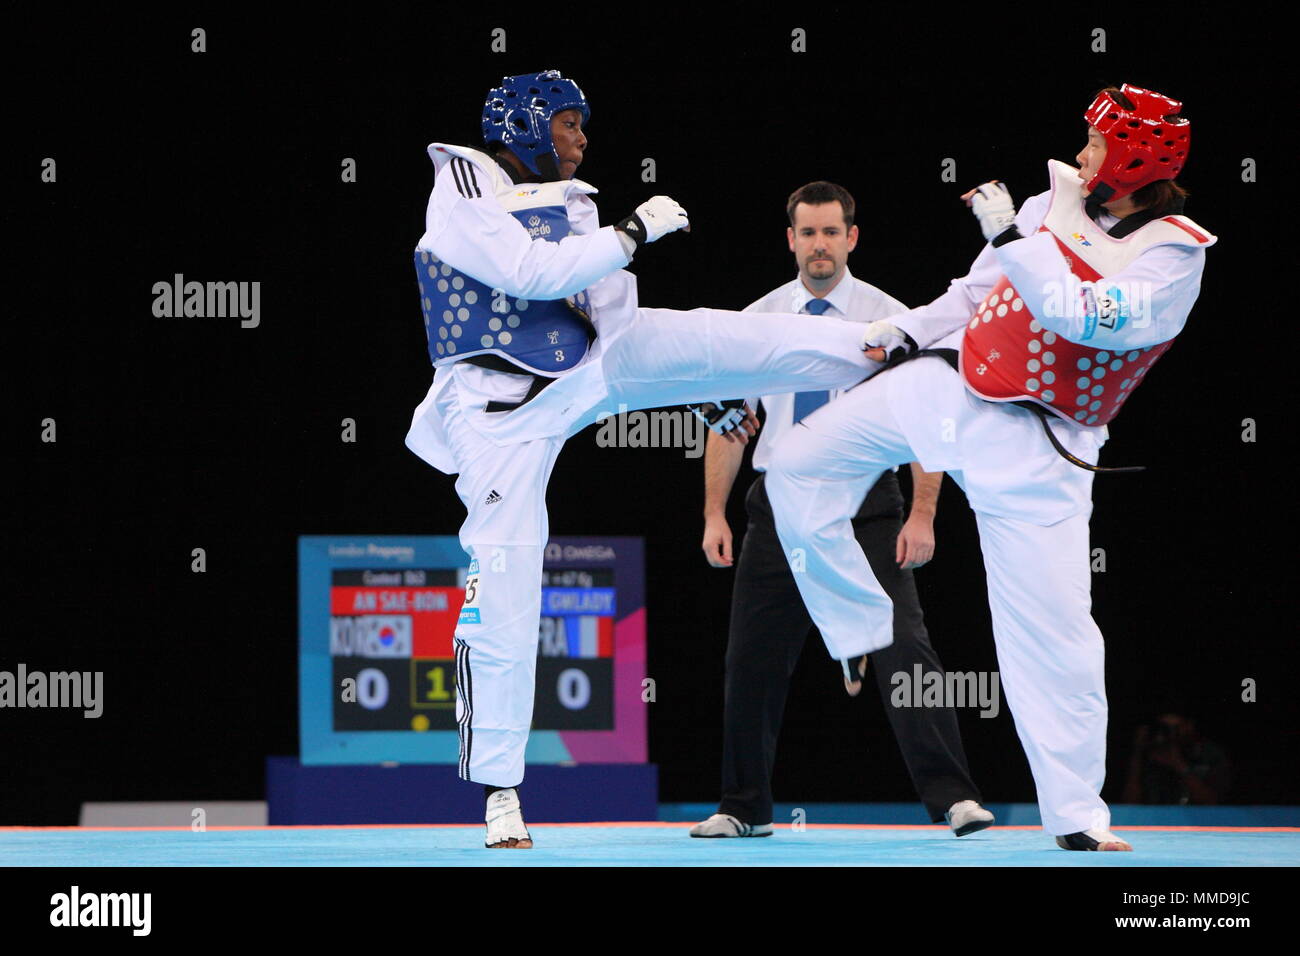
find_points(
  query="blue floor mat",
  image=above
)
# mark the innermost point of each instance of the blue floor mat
(634, 844)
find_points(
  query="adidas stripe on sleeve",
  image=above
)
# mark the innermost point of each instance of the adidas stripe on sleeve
(466, 178)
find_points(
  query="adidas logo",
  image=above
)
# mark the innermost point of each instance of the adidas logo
(492, 497)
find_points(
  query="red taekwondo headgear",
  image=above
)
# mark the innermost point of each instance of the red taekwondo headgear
(1143, 144)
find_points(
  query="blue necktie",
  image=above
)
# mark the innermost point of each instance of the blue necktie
(805, 403)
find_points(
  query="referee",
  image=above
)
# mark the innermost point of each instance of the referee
(769, 622)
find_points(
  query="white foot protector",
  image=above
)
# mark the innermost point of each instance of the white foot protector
(505, 822)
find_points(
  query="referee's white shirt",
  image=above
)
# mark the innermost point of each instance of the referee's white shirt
(851, 300)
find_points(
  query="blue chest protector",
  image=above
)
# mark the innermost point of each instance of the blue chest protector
(464, 317)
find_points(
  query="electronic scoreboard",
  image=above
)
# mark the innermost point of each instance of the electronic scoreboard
(377, 677)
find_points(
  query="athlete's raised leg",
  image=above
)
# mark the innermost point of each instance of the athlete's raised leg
(815, 481)
(667, 357)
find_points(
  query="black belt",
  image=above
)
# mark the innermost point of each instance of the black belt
(498, 364)
(950, 356)
(539, 383)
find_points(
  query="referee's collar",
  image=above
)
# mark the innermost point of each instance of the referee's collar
(840, 297)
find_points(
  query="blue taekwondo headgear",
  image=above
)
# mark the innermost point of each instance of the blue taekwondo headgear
(518, 113)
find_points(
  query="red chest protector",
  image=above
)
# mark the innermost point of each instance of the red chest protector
(1008, 356)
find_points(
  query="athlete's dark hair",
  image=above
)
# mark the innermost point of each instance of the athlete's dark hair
(818, 193)
(1163, 197)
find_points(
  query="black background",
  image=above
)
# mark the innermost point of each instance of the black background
(182, 433)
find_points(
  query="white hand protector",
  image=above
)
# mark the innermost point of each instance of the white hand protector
(721, 416)
(883, 334)
(993, 207)
(653, 219)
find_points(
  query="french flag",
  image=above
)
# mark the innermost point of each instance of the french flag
(589, 636)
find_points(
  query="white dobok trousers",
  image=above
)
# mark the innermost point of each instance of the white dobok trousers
(663, 357)
(1050, 652)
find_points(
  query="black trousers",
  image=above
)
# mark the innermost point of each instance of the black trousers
(769, 625)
